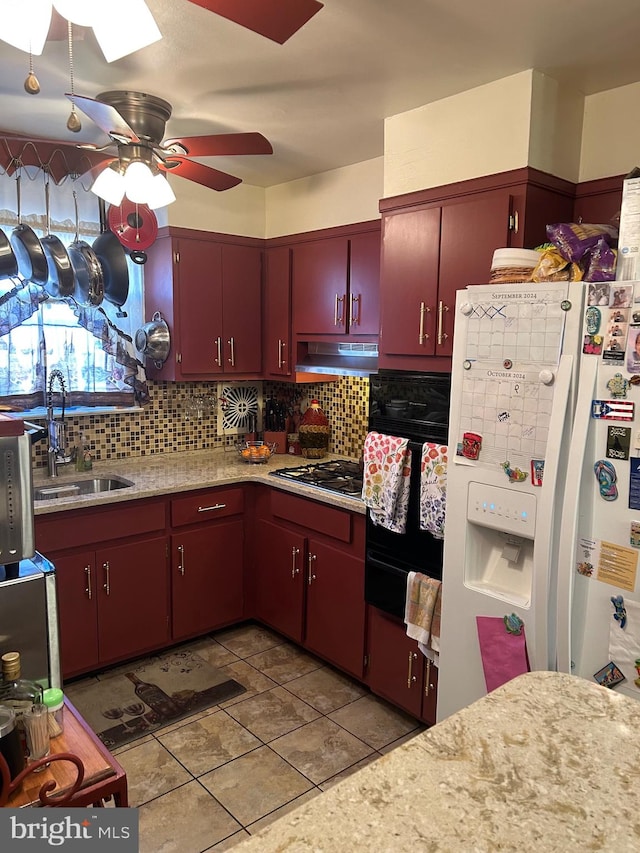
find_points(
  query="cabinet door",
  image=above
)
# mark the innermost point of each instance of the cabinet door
(394, 669)
(77, 590)
(279, 578)
(430, 692)
(363, 310)
(133, 598)
(320, 287)
(241, 308)
(471, 231)
(199, 295)
(335, 606)
(207, 578)
(409, 282)
(277, 312)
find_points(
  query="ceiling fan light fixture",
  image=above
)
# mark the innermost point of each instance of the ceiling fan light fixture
(26, 23)
(109, 185)
(160, 193)
(129, 26)
(138, 182)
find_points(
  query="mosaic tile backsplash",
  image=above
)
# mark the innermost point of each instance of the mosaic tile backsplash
(171, 423)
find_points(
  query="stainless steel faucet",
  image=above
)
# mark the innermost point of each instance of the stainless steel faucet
(55, 428)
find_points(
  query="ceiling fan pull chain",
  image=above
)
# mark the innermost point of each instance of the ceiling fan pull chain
(31, 84)
(73, 122)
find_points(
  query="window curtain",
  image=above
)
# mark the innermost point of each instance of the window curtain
(38, 334)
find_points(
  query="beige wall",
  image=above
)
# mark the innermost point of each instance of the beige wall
(611, 135)
(556, 128)
(240, 210)
(338, 197)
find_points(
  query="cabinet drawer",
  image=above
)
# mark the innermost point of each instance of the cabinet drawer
(312, 515)
(59, 531)
(206, 506)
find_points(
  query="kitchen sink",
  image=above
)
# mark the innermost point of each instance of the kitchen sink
(95, 486)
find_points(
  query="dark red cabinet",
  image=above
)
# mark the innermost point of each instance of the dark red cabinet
(277, 312)
(336, 283)
(209, 293)
(397, 670)
(279, 579)
(113, 604)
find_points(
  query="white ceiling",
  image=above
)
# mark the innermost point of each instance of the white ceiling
(321, 98)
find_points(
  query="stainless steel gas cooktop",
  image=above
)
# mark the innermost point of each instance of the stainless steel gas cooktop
(336, 476)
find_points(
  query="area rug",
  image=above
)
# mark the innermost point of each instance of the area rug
(129, 703)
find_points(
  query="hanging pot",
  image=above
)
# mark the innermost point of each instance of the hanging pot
(61, 277)
(89, 289)
(112, 256)
(32, 263)
(153, 340)
(135, 226)
(8, 260)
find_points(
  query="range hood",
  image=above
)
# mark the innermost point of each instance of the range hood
(338, 358)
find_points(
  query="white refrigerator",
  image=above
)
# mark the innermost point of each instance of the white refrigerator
(539, 490)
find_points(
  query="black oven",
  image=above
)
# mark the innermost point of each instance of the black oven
(413, 406)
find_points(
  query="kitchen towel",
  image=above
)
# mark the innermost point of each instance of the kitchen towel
(504, 655)
(386, 476)
(433, 488)
(423, 594)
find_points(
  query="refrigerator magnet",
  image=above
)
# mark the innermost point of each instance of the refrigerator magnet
(606, 476)
(617, 386)
(634, 534)
(618, 442)
(609, 675)
(515, 475)
(620, 611)
(612, 410)
(537, 471)
(471, 444)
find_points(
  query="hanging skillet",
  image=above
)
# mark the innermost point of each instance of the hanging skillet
(61, 278)
(89, 290)
(8, 260)
(32, 263)
(136, 226)
(112, 256)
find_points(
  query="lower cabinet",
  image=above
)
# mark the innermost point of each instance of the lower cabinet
(206, 561)
(307, 586)
(113, 603)
(397, 670)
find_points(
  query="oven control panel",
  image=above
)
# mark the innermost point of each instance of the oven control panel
(502, 509)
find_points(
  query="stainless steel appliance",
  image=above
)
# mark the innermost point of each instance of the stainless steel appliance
(28, 606)
(338, 475)
(414, 406)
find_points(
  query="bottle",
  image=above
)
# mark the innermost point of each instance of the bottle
(154, 697)
(314, 432)
(87, 459)
(18, 693)
(10, 747)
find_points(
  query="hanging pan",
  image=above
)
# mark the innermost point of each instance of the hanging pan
(89, 289)
(136, 226)
(61, 279)
(32, 263)
(111, 254)
(8, 260)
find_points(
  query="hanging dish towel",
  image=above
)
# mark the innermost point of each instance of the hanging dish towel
(433, 488)
(423, 594)
(385, 485)
(432, 648)
(504, 655)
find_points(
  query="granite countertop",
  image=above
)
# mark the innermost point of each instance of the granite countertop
(168, 473)
(548, 762)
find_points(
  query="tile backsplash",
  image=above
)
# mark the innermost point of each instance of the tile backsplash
(169, 423)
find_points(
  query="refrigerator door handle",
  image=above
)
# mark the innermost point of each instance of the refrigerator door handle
(569, 520)
(543, 551)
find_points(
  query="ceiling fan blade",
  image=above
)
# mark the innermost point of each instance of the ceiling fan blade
(222, 144)
(205, 175)
(105, 116)
(278, 20)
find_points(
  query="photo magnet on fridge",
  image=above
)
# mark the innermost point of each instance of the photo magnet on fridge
(618, 442)
(609, 675)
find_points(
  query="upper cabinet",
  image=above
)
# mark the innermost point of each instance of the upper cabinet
(436, 242)
(209, 292)
(336, 283)
(277, 312)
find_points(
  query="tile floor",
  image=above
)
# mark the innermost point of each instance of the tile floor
(209, 781)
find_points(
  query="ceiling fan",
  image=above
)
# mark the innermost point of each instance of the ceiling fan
(136, 124)
(278, 20)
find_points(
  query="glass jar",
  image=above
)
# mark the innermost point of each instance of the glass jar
(10, 746)
(53, 698)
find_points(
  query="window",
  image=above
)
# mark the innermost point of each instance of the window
(91, 346)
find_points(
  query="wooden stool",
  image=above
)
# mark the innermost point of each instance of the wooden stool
(80, 771)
